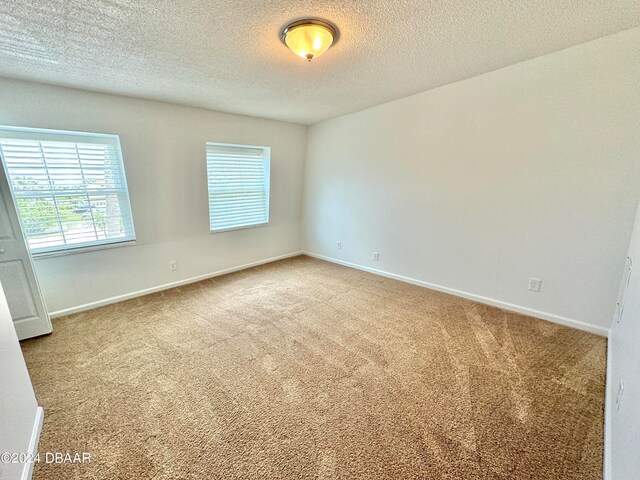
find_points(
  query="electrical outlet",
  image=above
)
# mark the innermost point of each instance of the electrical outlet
(619, 396)
(375, 256)
(339, 245)
(535, 284)
(173, 265)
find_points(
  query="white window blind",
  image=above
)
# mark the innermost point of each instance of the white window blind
(238, 179)
(70, 188)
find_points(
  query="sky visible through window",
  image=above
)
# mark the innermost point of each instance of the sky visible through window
(67, 193)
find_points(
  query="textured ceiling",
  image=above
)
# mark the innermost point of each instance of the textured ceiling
(226, 55)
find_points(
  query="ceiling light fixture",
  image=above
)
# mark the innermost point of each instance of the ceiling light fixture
(309, 38)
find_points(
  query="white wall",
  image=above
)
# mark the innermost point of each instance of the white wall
(623, 425)
(18, 406)
(164, 154)
(529, 171)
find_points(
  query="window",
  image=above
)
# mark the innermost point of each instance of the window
(238, 178)
(70, 188)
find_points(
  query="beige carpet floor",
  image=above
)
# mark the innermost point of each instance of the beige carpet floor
(302, 369)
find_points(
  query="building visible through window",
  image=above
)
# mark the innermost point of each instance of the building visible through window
(70, 188)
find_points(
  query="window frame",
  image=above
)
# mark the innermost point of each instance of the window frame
(52, 135)
(266, 158)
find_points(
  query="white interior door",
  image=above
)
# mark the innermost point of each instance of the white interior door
(18, 278)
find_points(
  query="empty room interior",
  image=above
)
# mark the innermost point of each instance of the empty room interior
(320, 240)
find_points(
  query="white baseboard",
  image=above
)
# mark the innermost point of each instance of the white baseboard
(459, 293)
(27, 471)
(608, 409)
(166, 286)
(32, 327)
(569, 322)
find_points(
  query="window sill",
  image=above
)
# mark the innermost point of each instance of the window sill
(243, 227)
(89, 248)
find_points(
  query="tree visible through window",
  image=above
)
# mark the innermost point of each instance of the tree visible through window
(70, 189)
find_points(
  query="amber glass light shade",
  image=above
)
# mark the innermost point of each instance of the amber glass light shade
(308, 40)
